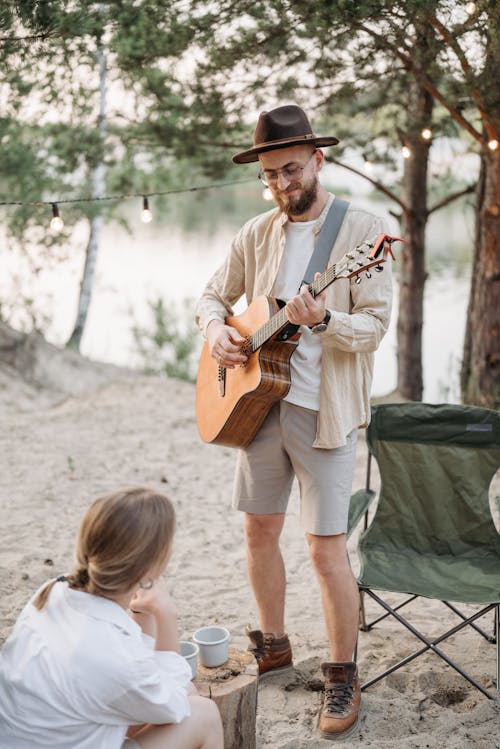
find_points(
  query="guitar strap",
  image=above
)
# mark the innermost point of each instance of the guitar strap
(322, 251)
(326, 239)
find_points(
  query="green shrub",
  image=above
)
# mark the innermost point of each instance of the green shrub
(170, 346)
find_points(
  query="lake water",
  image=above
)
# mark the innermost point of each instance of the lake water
(173, 257)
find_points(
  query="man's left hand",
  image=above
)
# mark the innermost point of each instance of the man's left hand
(304, 309)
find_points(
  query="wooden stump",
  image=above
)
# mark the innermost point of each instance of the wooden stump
(233, 687)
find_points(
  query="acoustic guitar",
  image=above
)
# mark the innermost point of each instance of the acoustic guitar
(231, 404)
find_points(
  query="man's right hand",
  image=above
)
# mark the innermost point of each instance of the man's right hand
(224, 344)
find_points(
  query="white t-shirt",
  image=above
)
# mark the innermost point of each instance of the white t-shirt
(77, 673)
(305, 363)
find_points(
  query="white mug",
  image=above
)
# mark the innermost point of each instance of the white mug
(190, 652)
(213, 643)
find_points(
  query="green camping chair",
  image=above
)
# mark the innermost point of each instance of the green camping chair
(432, 533)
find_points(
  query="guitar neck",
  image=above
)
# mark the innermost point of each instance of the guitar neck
(268, 330)
(279, 320)
(361, 258)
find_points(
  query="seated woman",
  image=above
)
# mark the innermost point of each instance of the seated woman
(93, 661)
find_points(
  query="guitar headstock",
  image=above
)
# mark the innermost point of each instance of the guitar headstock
(367, 255)
(363, 257)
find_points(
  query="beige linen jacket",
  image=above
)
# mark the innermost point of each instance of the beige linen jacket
(360, 313)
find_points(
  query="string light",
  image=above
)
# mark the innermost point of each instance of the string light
(146, 215)
(471, 8)
(426, 133)
(267, 194)
(127, 196)
(56, 222)
(405, 151)
(493, 144)
(368, 166)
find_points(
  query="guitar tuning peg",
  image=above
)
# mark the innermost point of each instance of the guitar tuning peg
(358, 279)
(379, 268)
(368, 274)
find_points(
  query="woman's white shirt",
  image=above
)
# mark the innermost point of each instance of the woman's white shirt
(79, 672)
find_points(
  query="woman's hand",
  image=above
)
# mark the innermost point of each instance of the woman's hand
(152, 597)
(154, 610)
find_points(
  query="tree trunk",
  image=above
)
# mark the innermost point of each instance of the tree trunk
(412, 273)
(87, 282)
(233, 687)
(98, 187)
(481, 362)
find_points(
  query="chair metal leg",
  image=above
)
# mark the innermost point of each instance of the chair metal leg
(430, 645)
(368, 625)
(362, 613)
(489, 638)
(497, 640)
(367, 486)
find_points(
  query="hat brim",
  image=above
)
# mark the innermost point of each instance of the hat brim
(252, 154)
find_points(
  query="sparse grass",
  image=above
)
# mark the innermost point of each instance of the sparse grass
(168, 347)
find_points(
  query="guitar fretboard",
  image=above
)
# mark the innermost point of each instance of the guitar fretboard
(353, 263)
(280, 320)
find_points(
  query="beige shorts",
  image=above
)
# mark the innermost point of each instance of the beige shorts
(283, 449)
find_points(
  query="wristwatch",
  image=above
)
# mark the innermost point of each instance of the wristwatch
(320, 327)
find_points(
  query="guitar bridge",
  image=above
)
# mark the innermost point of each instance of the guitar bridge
(221, 380)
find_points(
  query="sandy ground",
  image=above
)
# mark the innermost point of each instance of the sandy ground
(72, 429)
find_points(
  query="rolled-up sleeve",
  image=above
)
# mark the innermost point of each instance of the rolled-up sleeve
(360, 316)
(362, 327)
(224, 288)
(157, 692)
(249, 270)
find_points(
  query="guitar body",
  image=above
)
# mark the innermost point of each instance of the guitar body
(231, 404)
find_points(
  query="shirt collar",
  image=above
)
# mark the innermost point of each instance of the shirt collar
(98, 607)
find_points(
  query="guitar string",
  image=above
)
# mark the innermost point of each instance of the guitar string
(279, 320)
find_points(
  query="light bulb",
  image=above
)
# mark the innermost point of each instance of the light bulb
(368, 166)
(267, 194)
(493, 144)
(146, 215)
(426, 133)
(405, 152)
(56, 222)
(470, 8)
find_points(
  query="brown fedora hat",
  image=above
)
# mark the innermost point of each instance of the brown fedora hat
(280, 128)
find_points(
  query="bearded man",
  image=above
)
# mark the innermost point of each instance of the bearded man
(311, 433)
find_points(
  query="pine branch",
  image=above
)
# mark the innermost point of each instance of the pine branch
(451, 198)
(385, 190)
(426, 82)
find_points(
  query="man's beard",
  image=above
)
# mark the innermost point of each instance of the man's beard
(296, 206)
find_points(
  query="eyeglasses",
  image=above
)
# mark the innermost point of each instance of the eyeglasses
(289, 172)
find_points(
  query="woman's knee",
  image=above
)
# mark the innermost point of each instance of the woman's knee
(201, 730)
(206, 712)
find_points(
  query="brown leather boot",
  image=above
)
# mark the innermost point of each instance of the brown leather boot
(341, 700)
(273, 654)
